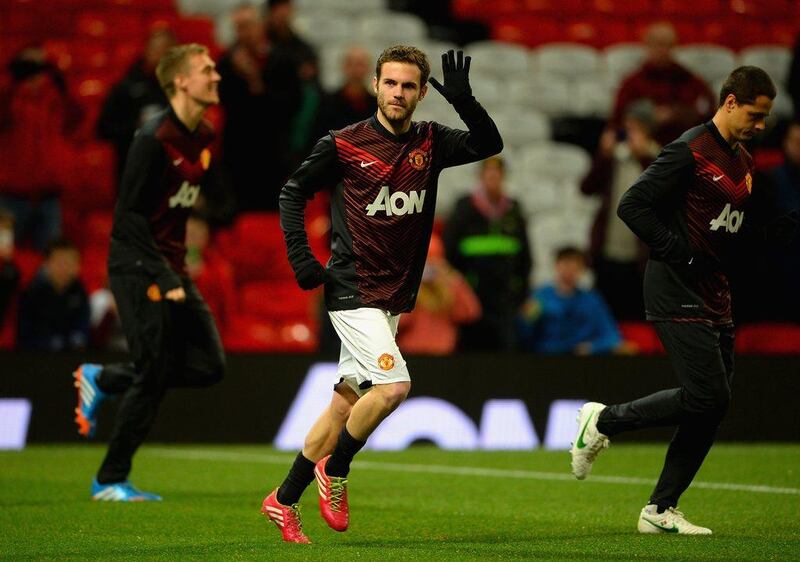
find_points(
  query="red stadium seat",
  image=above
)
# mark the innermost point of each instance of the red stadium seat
(585, 31)
(60, 52)
(91, 57)
(109, 24)
(196, 30)
(643, 336)
(260, 253)
(94, 268)
(695, 8)
(527, 30)
(768, 158)
(246, 333)
(97, 229)
(622, 8)
(276, 300)
(768, 338)
(92, 181)
(557, 7)
(28, 263)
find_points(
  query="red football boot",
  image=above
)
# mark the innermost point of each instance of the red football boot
(286, 517)
(332, 497)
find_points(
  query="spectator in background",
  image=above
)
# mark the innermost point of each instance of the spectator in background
(562, 318)
(783, 261)
(681, 99)
(352, 102)
(617, 255)
(105, 324)
(261, 92)
(136, 98)
(9, 273)
(444, 301)
(793, 80)
(210, 271)
(486, 240)
(37, 115)
(54, 308)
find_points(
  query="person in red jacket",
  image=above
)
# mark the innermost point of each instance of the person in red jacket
(681, 99)
(36, 117)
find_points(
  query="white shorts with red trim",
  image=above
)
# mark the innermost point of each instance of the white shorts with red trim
(369, 354)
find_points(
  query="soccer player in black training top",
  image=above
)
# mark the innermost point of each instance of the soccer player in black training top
(383, 175)
(169, 328)
(690, 207)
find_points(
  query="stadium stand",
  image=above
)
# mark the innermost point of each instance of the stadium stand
(547, 60)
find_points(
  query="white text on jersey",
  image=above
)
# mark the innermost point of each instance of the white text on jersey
(729, 220)
(186, 196)
(398, 203)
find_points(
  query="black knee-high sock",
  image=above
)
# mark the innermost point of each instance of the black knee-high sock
(300, 476)
(346, 449)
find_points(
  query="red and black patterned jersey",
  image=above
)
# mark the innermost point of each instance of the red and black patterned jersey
(690, 207)
(159, 186)
(382, 205)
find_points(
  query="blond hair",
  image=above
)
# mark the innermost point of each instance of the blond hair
(173, 62)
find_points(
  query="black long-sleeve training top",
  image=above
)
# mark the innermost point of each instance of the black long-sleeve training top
(159, 187)
(690, 207)
(382, 204)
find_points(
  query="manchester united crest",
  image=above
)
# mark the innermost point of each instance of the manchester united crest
(205, 158)
(386, 362)
(748, 181)
(418, 159)
(153, 293)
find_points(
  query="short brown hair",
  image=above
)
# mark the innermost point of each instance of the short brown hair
(747, 83)
(405, 53)
(173, 62)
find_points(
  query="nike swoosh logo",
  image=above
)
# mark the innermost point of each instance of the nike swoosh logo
(580, 444)
(674, 529)
(717, 178)
(367, 164)
(177, 162)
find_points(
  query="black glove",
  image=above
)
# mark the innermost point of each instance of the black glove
(456, 77)
(311, 276)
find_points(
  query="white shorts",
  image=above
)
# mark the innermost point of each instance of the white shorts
(369, 354)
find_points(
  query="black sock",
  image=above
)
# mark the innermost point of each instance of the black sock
(300, 476)
(346, 449)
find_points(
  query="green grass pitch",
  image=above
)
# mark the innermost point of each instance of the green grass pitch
(419, 504)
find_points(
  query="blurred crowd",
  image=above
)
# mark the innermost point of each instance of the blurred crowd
(476, 292)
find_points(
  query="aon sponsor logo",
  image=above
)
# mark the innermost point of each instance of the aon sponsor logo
(398, 203)
(730, 220)
(186, 196)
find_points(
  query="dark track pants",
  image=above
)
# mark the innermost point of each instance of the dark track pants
(173, 345)
(702, 358)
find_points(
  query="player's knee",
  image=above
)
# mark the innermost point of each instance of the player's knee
(394, 394)
(714, 402)
(341, 409)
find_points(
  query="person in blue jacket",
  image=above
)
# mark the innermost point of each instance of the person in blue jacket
(563, 318)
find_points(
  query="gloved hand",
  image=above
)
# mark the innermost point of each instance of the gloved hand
(455, 74)
(311, 276)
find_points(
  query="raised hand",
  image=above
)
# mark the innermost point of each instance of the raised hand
(455, 73)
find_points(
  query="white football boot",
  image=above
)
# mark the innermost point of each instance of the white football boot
(670, 521)
(588, 442)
